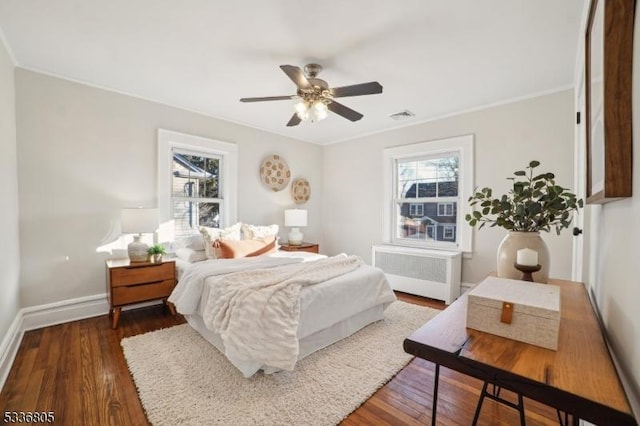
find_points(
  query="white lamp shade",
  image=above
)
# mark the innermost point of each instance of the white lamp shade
(138, 221)
(295, 217)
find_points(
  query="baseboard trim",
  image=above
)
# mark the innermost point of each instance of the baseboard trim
(465, 287)
(9, 347)
(64, 311)
(47, 315)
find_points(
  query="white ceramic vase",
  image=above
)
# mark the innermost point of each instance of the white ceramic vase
(508, 249)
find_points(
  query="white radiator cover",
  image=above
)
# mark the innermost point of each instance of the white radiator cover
(430, 273)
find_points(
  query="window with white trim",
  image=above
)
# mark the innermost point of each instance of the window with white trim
(416, 209)
(196, 184)
(437, 176)
(446, 209)
(448, 232)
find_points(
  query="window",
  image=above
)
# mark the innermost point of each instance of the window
(196, 198)
(196, 184)
(416, 209)
(448, 232)
(446, 209)
(426, 188)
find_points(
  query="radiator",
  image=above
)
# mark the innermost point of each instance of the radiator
(429, 273)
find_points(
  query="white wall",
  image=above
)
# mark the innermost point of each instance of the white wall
(84, 153)
(615, 259)
(507, 137)
(10, 247)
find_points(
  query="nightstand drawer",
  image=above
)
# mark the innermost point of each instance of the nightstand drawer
(138, 275)
(308, 247)
(139, 293)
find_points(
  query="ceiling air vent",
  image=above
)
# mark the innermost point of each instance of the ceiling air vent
(402, 115)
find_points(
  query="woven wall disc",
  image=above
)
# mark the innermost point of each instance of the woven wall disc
(300, 191)
(275, 173)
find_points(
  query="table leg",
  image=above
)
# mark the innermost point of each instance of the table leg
(479, 407)
(563, 419)
(521, 409)
(496, 397)
(434, 407)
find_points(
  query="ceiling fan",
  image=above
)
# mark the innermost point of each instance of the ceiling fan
(316, 97)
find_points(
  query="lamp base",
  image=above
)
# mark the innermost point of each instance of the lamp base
(137, 250)
(295, 237)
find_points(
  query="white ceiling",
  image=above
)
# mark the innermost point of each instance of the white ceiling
(433, 57)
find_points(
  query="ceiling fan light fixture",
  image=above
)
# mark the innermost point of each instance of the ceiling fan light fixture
(320, 109)
(302, 109)
(311, 111)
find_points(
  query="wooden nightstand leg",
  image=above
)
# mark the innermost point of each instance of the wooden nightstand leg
(116, 317)
(171, 307)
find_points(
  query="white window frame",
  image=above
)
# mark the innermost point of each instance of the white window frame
(463, 146)
(444, 207)
(228, 152)
(417, 206)
(447, 229)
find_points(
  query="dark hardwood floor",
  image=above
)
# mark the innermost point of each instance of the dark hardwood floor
(77, 371)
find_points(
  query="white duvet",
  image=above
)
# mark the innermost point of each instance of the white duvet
(267, 304)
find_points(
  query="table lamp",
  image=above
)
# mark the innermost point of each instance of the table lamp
(138, 221)
(295, 218)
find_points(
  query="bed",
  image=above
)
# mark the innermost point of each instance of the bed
(327, 311)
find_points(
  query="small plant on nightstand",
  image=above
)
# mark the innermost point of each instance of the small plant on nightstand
(156, 251)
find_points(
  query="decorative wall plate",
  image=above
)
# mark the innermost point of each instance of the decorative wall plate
(275, 173)
(300, 191)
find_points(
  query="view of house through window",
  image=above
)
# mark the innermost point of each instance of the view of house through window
(427, 197)
(195, 191)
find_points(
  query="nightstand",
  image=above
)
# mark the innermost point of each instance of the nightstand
(309, 247)
(129, 283)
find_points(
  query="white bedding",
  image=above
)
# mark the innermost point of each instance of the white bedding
(327, 309)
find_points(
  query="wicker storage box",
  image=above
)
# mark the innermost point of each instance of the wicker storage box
(519, 310)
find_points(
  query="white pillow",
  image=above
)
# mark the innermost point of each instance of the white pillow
(253, 232)
(210, 235)
(195, 242)
(191, 255)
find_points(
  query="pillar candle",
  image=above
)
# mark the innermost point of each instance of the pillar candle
(527, 257)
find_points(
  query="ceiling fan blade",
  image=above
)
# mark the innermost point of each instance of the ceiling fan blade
(297, 76)
(370, 88)
(295, 120)
(344, 111)
(266, 98)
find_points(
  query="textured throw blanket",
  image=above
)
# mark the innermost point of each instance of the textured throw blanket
(257, 312)
(186, 296)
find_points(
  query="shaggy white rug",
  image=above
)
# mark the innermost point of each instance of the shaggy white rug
(184, 380)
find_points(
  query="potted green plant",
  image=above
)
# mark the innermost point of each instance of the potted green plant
(534, 203)
(156, 251)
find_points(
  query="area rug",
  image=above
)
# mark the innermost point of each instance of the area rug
(184, 380)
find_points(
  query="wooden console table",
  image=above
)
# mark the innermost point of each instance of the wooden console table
(579, 378)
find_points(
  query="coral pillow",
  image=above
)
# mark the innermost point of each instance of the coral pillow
(233, 249)
(211, 235)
